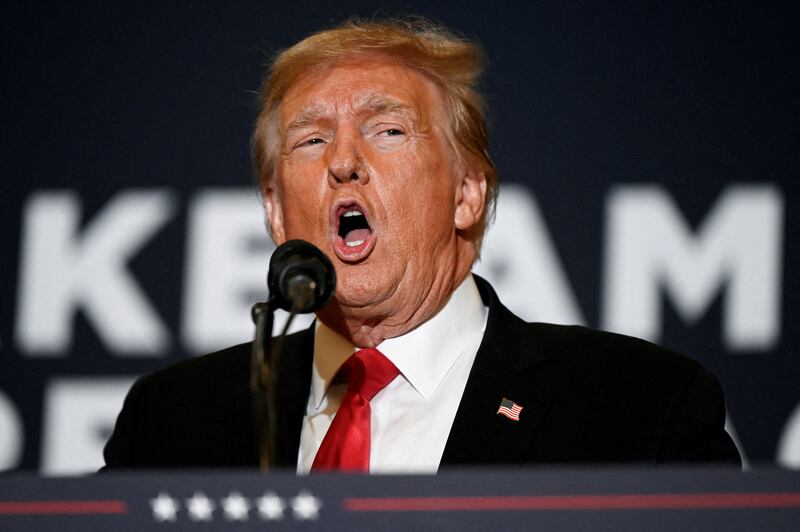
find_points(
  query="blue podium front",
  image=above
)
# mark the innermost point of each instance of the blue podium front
(538, 500)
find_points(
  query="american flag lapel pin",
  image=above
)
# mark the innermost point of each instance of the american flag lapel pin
(510, 409)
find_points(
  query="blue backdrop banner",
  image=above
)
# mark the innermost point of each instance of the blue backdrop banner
(648, 153)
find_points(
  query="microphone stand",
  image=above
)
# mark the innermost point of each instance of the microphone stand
(300, 279)
(264, 365)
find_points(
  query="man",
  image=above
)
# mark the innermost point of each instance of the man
(371, 144)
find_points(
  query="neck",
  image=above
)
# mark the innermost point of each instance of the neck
(404, 311)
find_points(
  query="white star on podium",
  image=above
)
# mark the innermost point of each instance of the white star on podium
(165, 508)
(270, 506)
(200, 507)
(236, 507)
(305, 506)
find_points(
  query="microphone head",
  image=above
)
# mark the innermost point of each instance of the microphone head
(299, 262)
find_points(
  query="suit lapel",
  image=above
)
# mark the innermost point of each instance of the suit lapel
(506, 366)
(294, 382)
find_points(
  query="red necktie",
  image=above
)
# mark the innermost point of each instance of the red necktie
(346, 444)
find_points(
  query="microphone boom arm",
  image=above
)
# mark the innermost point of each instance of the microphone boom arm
(261, 388)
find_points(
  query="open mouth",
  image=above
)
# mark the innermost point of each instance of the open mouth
(353, 227)
(354, 236)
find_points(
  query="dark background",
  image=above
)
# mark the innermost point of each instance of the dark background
(99, 97)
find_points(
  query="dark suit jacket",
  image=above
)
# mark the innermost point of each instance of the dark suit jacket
(587, 397)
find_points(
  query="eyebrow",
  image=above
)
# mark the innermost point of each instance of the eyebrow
(372, 104)
(308, 116)
(379, 103)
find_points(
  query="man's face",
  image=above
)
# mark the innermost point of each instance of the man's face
(366, 174)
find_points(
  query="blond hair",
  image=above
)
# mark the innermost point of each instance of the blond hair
(453, 63)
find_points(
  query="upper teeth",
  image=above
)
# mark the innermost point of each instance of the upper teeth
(352, 213)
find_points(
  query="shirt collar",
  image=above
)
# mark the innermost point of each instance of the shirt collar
(423, 355)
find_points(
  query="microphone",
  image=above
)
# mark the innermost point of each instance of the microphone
(301, 278)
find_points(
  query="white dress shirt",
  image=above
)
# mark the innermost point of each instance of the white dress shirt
(412, 416)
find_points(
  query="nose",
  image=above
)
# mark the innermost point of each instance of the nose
(345, 161)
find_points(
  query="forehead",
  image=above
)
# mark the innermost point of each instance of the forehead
(361, 83)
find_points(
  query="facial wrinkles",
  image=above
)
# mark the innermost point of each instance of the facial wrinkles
(350, 99)
(436, 255)
(312, 116)
(377, 103)
(378, 109)
(410, 194)
(415, 311)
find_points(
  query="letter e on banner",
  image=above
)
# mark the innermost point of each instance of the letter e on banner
(79, 415)
(227, 260)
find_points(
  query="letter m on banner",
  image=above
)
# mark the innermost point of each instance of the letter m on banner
(738, 248)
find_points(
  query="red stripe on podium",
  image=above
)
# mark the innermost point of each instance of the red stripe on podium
(62, 507)
(674, 501)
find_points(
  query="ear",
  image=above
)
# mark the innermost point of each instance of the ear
(470, 199)
(273, 212)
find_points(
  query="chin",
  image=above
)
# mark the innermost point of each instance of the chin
(360, 287)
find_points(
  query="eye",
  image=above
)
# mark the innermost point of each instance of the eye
(309, 142)
(391, 132)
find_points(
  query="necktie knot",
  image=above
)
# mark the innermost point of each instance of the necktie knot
(368, 371)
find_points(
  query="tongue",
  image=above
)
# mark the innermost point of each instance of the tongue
(357, 234)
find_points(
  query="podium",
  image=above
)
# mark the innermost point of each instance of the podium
(619, 499)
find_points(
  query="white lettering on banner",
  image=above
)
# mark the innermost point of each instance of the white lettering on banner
(62, 270)
(731, 430)
(227, 260)
(650, 250)
(79, 415)
(520, 260)
(738, 247)
(11, 434)
(227, 263)
(789, 442)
